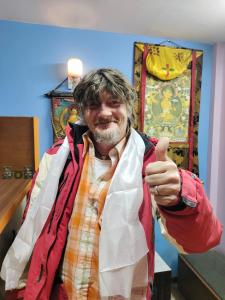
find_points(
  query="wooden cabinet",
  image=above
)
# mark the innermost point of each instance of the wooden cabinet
(19, 148)
(201, 276)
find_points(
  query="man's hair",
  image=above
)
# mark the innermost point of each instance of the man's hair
(93, 84)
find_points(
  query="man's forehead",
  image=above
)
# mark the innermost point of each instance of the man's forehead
(105, 95)
(102, 97)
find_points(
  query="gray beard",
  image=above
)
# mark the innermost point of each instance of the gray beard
(110, 137)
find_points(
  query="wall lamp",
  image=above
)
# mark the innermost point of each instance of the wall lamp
(75, 72)
(66, 87)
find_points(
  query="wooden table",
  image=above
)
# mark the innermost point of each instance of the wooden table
(12, 192)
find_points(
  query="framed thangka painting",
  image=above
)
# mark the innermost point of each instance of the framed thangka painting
(63, 110)
(168, 84)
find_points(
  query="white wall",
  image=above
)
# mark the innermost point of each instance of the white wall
(216, 168)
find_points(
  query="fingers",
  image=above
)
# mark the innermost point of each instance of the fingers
(159, 167)
(165, 187)
(169, 177)
(166, 195)
(165, 190)
(166, 200)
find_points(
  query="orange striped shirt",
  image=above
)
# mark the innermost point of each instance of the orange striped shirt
(80, 263)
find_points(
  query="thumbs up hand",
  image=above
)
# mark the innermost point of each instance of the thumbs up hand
(163, 176)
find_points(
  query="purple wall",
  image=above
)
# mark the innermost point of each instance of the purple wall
(216, 166)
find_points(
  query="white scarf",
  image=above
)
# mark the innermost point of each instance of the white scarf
(122, 244)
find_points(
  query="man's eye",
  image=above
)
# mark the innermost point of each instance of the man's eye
(115, 103)
(93, 106)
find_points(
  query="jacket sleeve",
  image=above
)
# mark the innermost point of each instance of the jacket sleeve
(40, 176)
(191, 226)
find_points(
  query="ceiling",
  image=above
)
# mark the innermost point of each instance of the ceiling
(196, 20)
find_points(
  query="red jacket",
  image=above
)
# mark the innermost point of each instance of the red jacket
(191, 224)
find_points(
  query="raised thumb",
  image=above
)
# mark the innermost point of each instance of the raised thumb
(161, 149)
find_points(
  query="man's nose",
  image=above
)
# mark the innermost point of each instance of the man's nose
(105, 110)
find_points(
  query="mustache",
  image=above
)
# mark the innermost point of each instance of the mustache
(101, 121)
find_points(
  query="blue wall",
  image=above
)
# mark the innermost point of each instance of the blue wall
(33, 61)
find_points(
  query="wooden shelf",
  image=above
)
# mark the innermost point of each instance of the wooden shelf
(19, 148)
(12, 192)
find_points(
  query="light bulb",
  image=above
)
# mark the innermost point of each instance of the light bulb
(75, 71)
(75, 67)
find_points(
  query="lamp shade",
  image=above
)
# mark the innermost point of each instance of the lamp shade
(75, 67)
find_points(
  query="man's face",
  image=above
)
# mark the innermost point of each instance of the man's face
(107, 119)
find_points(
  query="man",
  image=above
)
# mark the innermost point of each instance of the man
(89, 223)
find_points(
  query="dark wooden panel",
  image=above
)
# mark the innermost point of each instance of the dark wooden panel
(17, 147)
(191, 284)
(162, 279)
(162, 286)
